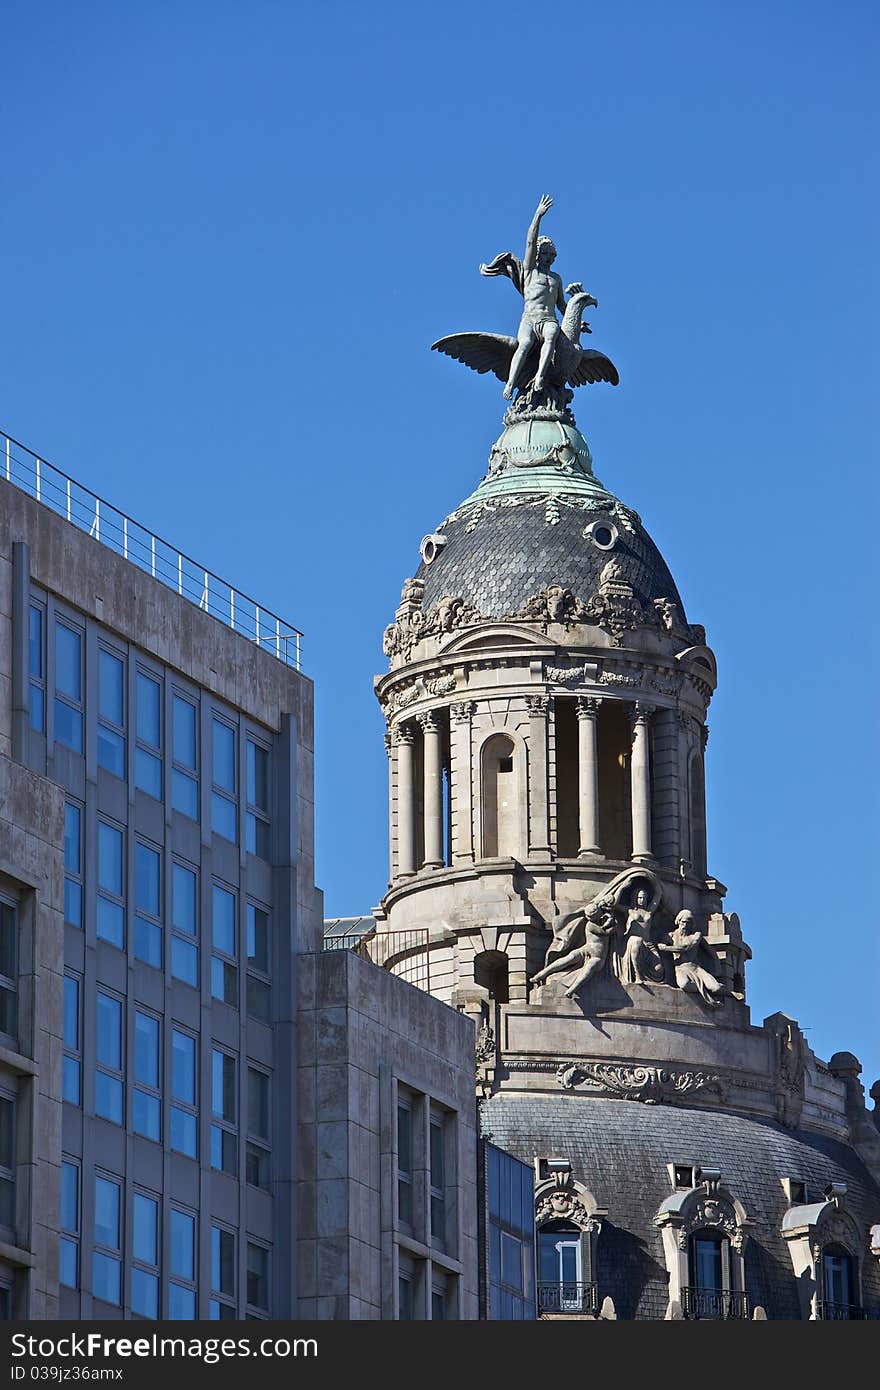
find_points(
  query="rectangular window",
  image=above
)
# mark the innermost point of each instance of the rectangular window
(8, 970)
(184, 922)
(224, 970)
(223, 808)
(68, 1273)
(73, 882)
(109, 1087)
(258, 829)
(111, 881)
(148, 905)
(405, 1163)
(7, 1165)
(37, 668)
(222, 1272)
(148, 753)
(71, 1087)
(106, 1262)
(146, 1101)
(182, 1266)
(437, 1158)
(184, 773)
(259, 992)
(184, 1090)
(258, 1277)
(224, 1139)
(68, 687)
(145, 1256)
(257, 1154)
(111, 712)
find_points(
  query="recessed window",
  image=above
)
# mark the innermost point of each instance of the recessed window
(106, 1261)
(182, 1266)
(145, 1256)
(223, 1269)
(603, 534)
(259, 831)
(37, 668)
(110, 924)
(259, 990)
(7, 1164)
(184, 1116)
(68, 1270)
(224, 1138)
(148, 754)
(224, 812)
(148, 894)
(184, 921)
(71, 1087)
(111, 713)
(68, 687)
(73, 885)
(184, 775)
(258, 1277)
(146, 1102)
(405, 1163)
(224, 969)
(8, 970)
(109, 1085)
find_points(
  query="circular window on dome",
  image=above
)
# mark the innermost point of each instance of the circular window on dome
(603, 534)
(431, 546)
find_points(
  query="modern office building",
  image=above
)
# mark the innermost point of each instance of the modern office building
(197, 1102)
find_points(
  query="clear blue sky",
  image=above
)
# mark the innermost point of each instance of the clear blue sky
(230, 233)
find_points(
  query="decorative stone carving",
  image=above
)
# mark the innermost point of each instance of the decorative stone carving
(581, 941)
(651, 1084)
(537, 704)
(554, 604)
(716, 1213)
(791, 1058)
(408, 692)
(565, 675)
(462, 711)
(666, 683)
(636, 961)
(412, 623)
(560, 1198)
(619, 678)
(429, 721)
(588, 707)
(685, 945)
(485, 1047)
(403, 733)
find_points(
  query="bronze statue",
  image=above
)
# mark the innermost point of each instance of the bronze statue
(545, 357)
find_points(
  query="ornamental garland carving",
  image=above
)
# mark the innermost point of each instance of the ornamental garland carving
(651, 1084)
(716, 1213)
(473, 512)
(413, 624)
(408, 692)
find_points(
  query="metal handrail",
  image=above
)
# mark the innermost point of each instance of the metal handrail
(565, 1296)
(714, 1303)
(840, 1312)
(83, 508)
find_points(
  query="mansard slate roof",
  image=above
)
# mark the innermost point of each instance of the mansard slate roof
(524, 529)
(619, 1150)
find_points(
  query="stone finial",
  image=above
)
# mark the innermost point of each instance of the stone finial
(607, 1312)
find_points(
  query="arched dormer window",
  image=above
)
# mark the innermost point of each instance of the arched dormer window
(839, 1300)
(825, 1243)
(568, 1222)
(708, 1291)
(697, 799)
(501, 800)
(704, 1232)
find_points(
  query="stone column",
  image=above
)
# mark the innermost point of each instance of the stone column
(539, 809)
(433, 797)
(406, 854)
(588, 775)
(389, 749)
(640, 770)
(461, 782)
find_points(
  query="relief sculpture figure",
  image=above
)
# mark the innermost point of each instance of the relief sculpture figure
(685, 944)
(638, 961)
(583, 939)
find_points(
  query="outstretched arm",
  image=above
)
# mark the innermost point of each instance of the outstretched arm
(531, 256)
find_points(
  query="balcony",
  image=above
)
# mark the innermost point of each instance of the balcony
(559, 1298)
(840, 1312)
(716, 1304)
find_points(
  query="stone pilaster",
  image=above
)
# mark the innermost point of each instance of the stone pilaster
(641, 782)
(588, 775)
(433, 789)
(461, 781)
(539, 808)
(404, 738)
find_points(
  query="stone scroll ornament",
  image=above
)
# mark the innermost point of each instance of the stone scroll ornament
(545, 359)
(651, 1084)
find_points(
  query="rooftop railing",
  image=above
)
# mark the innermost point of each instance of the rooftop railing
(107, 524)
(714, 1303)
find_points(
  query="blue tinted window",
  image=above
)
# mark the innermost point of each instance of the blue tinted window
(183, 1067)
(148, 710)
(148, 942)
(110, 858)
(146, 1049)
(224, 817)
(183, 1238)
(185, 794)
(36, 708)
(224, 920)
(106, 1278)
(111, 750)
(148, 773)
(258, 776)
(184, 1132)
(185, 961)
(70, 1080)
(109, 1038)
(35, 642)
(106, 1213)
(147, 879)
(144, 1293)
(184, 733)
(181, 1303)
(68, 726)
(145, 1217)
(68, 1264)
(224, 755)
(110, 922)
(184, 910)
(69, 1197)
(68, 661)
(108, 1097)
(71, 1012)
(111, 688)
(72, 838)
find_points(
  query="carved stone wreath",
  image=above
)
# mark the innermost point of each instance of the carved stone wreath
(651, 1084)
(714, 1213)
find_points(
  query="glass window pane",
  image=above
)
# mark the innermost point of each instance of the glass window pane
(108, 1097)
(147, 865)
(148, 942)
(106, 1278)
(183, 1067)
(183, 1239)
(223, 918)
(111, 750)
(224, 981)
(224, 1150)
(184, 893)
(185, 961)
(437, 1165)
(8, 934)
(106, 1213)
(71, 1012)
(110, 858)
(68, 726)
(181, 1304)
(35, 641)
(259, 999)
(258, 938)
(68, 1271)
(224, 817)
(224, 756)
(185, 794)
(404, 1139)
(109, 1044)
(144, 1293)
(259, 837)
(145, 1220)
(110, 924)
(73, 902)
(36, 709)
(69, 1197)
(72, 822)
(146, 1049)
(184, 1132)
(222, 1261)
(223, 1086)
(258, 1103)
(184, 733)
(258, 1167)
(148, 706)
(68, 661)
(148, 773)
(258, 776)
(257, 1276)
(111, 687)
(70, 1081)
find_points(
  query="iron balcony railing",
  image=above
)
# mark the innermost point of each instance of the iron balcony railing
(404, 953)
(22, 467)
(714, 1303)
(840, 1312)
(562, 1297)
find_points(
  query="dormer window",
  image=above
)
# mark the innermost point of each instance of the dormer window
(838, 1287)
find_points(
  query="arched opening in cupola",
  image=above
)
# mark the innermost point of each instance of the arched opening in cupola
(500, 806)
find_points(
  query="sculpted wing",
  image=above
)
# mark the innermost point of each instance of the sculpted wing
(592, 366)
(483, 352)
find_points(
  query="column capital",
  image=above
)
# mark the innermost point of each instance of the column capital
(704, 735)
(461, 711)
(537, 704)
(429, 721)
(640, 713)
(388, 742)
(588, 706)
(403, 733)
